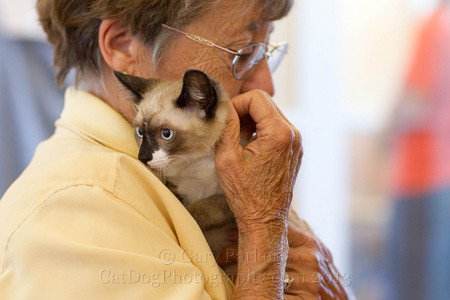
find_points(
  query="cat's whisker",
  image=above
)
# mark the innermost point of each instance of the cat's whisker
(175, 156)
(157, 172)
(170, 169)
(210, 150)
(161, 172)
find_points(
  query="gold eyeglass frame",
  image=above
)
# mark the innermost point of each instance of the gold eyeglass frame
(236, 53)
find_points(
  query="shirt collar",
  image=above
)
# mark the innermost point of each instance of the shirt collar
(95, 118)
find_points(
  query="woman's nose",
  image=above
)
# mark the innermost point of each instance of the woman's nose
(260, 78)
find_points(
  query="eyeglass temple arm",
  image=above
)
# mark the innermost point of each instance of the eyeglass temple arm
(200, 40)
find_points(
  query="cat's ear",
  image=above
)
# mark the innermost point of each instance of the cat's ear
(136, 85)
(198, 93)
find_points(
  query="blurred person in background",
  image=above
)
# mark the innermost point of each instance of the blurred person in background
(30, 99)
(419, 265)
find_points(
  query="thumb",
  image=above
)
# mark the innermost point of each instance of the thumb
(230, 139)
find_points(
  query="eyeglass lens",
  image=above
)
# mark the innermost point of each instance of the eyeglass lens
(251, 56)
(276, 56)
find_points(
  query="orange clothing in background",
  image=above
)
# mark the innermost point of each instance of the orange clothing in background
(421, 150)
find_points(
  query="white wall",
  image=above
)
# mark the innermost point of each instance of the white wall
(18, 18)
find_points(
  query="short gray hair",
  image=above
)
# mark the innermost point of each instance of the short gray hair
(72, 25)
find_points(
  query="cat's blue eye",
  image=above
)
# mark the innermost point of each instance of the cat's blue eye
(139, 132)
(167, 134)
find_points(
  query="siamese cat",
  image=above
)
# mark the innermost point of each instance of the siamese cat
(177, 126)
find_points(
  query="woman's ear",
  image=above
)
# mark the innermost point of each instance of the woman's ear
(117, 46)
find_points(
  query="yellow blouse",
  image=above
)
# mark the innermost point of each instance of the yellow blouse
(87, 220)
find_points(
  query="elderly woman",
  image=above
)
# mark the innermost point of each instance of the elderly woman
(88, 220)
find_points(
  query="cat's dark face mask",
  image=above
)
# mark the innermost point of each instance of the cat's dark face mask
(198, 93)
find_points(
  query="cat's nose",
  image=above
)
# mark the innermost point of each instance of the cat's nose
(148, 147)
(145, 157)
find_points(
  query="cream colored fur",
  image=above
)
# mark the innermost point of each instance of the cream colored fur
(185, 163)
(193, 172)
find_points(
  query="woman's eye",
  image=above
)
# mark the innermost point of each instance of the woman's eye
(139, 132)
(248, 52)
(167, 134)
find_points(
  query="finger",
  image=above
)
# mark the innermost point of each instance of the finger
(255, 104)
(297, 151)
(328, 279)
(296, 146)
(324, 250)
(327, 252)
(295, 162)
(325, 292)
(335, 282)
(230, 138)
(295, 220)
(272, 107)
(306, 258)
(280, 113)
(296, 155)
(278, 109)
(228, 256)
(298, 236)
(304, 287)
(269, 123)
(299, 296)
(298, 283)
(233, 235)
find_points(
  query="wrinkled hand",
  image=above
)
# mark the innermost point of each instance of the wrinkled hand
(311, 266)
(258, 180)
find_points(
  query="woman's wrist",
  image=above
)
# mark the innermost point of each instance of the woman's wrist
(264, 235)
(262, 259)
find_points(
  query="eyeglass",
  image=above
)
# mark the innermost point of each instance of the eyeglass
(247, 57)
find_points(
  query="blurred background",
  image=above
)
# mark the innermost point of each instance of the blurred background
(367, 84)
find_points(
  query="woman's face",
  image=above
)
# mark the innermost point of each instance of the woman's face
(227, 27)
